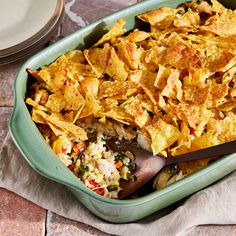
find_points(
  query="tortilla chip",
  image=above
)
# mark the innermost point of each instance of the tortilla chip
(189, 20)
(34, 104)
(74, 100)
(196, 94)
(117, 89)
(137, 36)
(146, 80)
(217, 94)
(129, 53)
(180, 55)
(173, 88)
(223, 63)
(90, 86)
(163, 135)
(91, 107)
(56, 102)
(222, 24)
(140, 115)
(36, 117)
(115, 31)
(98, 59)
(55, 75)
(58, 123)
(115, 67)
(34, 73)
(162, 16)
(161, 78)
(75, 56)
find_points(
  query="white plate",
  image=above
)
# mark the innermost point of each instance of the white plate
(23, 22)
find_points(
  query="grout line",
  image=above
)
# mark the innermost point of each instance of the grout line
(46, 223)
(6, 106)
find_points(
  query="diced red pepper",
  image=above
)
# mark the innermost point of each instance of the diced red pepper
(100, 191)
(93, 183)
(63, 150)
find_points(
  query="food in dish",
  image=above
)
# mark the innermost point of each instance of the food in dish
(170, 88)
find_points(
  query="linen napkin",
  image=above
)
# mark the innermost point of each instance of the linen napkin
(213, 205)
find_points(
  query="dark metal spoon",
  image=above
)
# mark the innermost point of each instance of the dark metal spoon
(148, 165)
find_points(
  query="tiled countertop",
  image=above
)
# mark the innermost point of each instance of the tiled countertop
(23, 218)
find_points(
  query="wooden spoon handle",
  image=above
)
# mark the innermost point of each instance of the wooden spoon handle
(221, 149)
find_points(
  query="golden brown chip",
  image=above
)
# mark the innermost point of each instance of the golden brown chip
(34, 73)
(129, 53)
(146, 102)
(200, 7)
(161, 78)
(56, 121)
(90, 85)
(118, 89)
(162, 16)
(115, 31)
(196, 94)
(196, 116)
(115, 67)
(173, 88)
(217, 94)
(74, 100)
(140, 115)
(69, 116)
(36, 117)
(180, 55)
(187, 21)
(55, 75)
(146, 80)
(56, 102)
(222, 24)
(118, 114)
(137, 36)
(91, 107)
(163, 135)
(75, 56)
(229, 75)
(34, 104)
(223, 63)
(98, 58)
(77, 71)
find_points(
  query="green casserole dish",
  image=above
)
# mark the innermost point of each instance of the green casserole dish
(40, 156)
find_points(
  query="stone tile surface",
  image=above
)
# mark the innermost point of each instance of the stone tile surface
(19, 216)
(213, 230)
(80, 13)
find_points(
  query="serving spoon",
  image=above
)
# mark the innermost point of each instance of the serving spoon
(147, 165)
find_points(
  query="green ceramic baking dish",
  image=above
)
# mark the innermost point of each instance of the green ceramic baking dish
(39, 155)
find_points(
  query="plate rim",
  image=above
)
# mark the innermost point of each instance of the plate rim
(58, 12)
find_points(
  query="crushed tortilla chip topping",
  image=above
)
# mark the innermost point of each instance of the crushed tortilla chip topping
(175, 84)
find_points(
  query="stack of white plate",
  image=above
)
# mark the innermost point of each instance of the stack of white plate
(27, 25)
